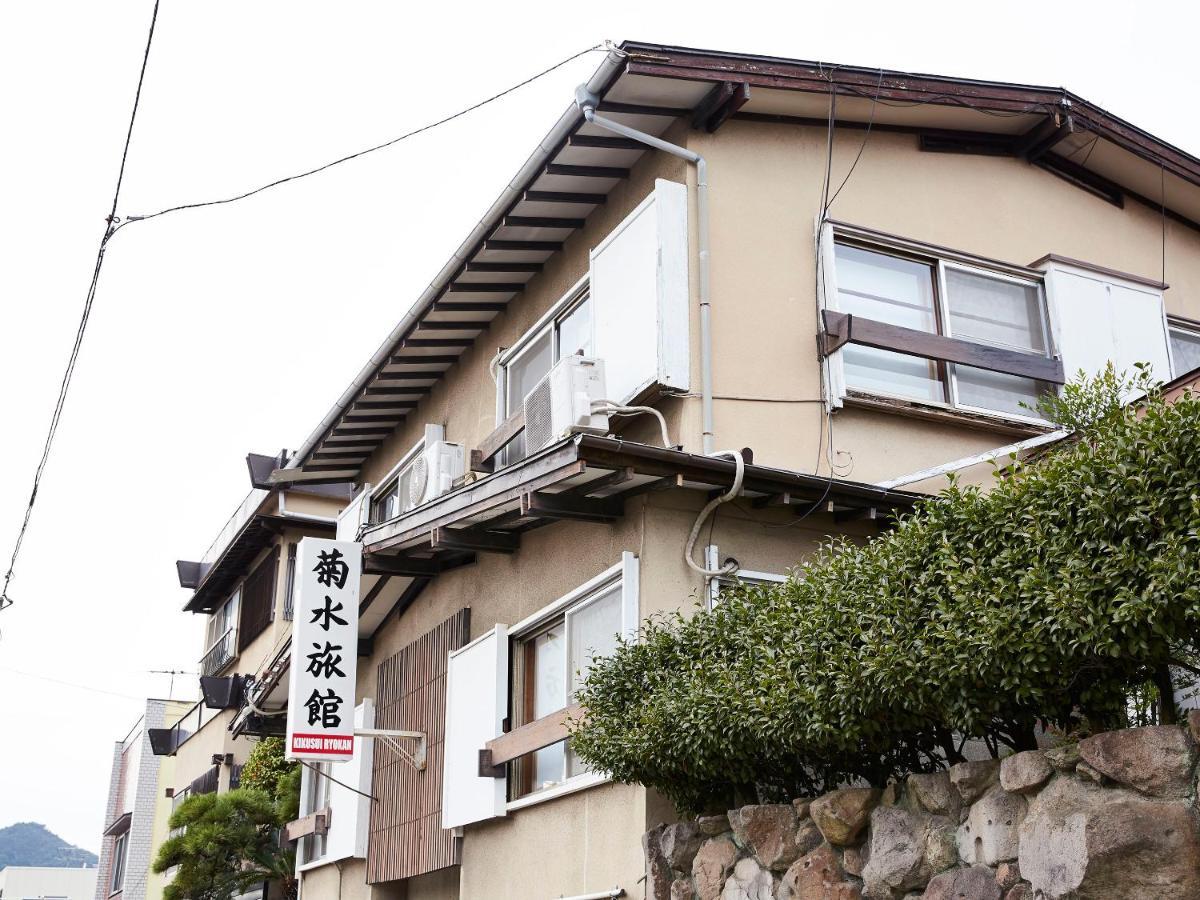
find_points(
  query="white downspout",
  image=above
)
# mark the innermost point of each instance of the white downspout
(587, 102)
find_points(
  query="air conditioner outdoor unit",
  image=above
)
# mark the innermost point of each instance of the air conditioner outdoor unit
(434, 471)
(561, 403)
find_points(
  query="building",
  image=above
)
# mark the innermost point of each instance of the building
(242, 584)
(137, 810)
(47, 883)
(856, 275)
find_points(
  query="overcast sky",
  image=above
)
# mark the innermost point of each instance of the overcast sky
(233, 329)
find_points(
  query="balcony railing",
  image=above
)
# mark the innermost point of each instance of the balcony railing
(167, 740)
(220, 654)
(233, 525)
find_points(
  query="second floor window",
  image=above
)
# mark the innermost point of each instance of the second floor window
(221, 636)
(565, 334)
(1185, 348)
(944, 298)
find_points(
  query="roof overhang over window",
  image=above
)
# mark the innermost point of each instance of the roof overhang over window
(258, 533)
(590, 478)
(119, 826)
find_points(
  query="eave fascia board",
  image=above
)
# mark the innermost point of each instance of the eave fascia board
(607, 72)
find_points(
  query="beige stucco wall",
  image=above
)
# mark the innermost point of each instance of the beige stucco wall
(765, 184)
(765, 180)
(588, 840)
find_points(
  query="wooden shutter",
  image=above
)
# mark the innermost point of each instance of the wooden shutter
(407, 838)
(476, 705)
(1098, 318)
(258, 600)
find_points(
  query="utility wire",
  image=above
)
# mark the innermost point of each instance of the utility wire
(68, 374)
(113, 224)
(70, 684)
(384, 145)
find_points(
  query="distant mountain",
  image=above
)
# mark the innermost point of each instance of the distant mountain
(32, 844)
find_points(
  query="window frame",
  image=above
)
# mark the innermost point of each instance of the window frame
(1189, 327)
(940, 260)
(116, 876)
(712, 560)
(625, 577)
(234, 597)
(316, 798)
(548, 322)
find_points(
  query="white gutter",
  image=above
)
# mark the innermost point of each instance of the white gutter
(966, 462)
(568, 122)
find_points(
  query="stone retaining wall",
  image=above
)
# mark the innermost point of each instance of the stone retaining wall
(1112, 817)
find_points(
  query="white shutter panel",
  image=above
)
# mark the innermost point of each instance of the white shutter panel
(350, 813)
(640, 303)
(354, 515)
(476, 704)
(1097, 318)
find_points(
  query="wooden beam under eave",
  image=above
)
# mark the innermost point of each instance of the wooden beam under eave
(474, 540)
(374, 564)
(470, 306)
(587, 171)
(485, 266)
(603, 142)
(555, 506)
(542, 222)
(1044, 137)
(523, 246)
(527, 738)
(564, 197)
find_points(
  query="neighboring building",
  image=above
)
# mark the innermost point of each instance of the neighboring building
(243, 585)
(981, 243)
(47, 883)
(138, 807)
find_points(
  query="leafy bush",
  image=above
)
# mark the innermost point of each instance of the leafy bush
(1048, 599)
(268, 771)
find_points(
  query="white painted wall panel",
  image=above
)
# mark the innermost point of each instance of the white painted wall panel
(639, 289)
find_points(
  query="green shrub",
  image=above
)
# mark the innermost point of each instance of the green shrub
(1048, 599)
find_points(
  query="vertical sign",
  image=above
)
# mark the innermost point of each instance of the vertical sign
(320, 722)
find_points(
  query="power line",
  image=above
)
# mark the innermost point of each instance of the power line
(68, 374)
(384, 145)
(70, 684)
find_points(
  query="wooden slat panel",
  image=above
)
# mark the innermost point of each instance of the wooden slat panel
(407, 837)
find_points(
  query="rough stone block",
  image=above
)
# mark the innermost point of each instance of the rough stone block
(897, 856)
(1026, 772)
(679, 843)
(658, 871)
(1019, 892)
(711, 826)
(842, 815)
(817, 876)
(1156, 760)
(749, 881)
(853, 862)
(973, 778)
(681, 889)
(935, 793)
(713, 863)
(1083, 842)
(801, 806)
(989, 835)
(1008, 875)
(974, 883)
(769, 831)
